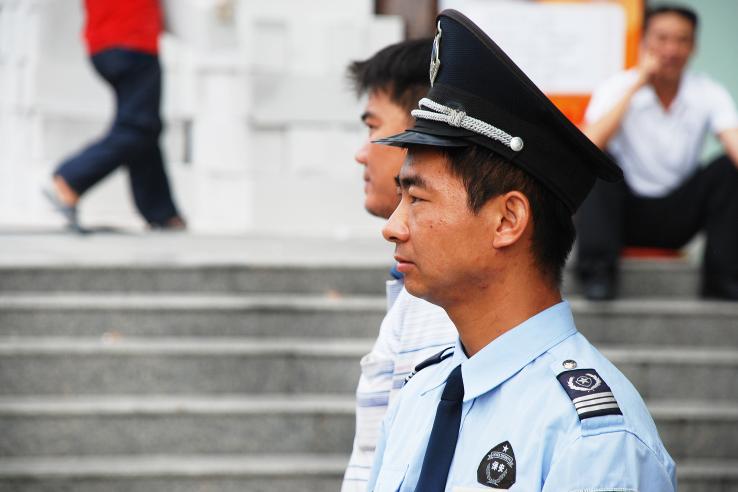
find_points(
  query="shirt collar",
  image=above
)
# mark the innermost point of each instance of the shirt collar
(510, 352)
(646, 96)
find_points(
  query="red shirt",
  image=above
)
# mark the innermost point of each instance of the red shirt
(132, 24)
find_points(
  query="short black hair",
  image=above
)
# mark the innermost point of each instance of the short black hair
(400, 70)
(667, 8)
(485, 175)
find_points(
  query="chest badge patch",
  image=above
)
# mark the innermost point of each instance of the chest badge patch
(497, 469)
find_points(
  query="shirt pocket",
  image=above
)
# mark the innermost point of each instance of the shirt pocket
(390, 479)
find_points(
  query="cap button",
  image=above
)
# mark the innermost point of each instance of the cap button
(516, 143)
(570, 364)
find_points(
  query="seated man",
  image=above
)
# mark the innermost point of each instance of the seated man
(523, 401)
(653, 121)
(394, 79)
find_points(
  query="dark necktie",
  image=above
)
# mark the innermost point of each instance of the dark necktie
(445, 433)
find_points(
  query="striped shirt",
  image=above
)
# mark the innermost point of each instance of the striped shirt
(412, 331)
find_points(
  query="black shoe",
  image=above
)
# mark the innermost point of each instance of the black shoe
(598, 281)
(173, 224)
(720, 288)
(599, 288)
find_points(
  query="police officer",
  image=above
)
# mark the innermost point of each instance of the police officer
(523, 401)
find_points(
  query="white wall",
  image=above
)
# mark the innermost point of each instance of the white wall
(261, 122)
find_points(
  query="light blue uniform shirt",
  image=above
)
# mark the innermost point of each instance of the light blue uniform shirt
(514, 402)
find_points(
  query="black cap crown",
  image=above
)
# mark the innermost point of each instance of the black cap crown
(479, 96)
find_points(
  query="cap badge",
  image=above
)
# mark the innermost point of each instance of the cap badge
(435, 63)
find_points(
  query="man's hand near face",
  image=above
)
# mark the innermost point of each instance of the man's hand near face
(647, 68)
(602, 131)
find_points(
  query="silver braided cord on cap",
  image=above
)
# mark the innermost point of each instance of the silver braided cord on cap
(460, 119)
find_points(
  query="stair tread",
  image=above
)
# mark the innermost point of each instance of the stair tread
(275, 403)
(97, 301)
(329, 346)
(698, 468)
(188, 301)
(180, 404)
(340, 347)
(158, 465)
(245, 465)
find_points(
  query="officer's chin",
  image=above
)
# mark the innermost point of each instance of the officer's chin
(416, 288)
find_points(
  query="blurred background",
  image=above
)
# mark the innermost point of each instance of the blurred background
(226, 358)
(259, 115)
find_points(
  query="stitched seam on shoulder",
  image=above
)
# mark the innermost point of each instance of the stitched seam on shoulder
(580, 436)
(652, 451)
(656, 456)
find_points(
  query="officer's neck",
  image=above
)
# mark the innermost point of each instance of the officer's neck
(485, 314)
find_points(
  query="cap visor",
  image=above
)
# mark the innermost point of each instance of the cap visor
(410, 137)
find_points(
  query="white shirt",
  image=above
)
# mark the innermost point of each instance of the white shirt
(412, 331)
(659, 149)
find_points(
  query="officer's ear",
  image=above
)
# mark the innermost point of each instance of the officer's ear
(511, 214)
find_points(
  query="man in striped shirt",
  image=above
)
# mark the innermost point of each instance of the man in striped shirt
(394, 80)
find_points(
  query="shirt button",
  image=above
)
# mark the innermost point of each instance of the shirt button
(570, 364)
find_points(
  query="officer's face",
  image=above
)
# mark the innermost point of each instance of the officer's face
(670, 37)
(442, 247)
(381, 163)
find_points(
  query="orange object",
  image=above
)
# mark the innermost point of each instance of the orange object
(572, 105)
(575, 105)
(650, 253)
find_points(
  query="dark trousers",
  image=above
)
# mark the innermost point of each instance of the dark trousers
(133, 138)
(613, 216)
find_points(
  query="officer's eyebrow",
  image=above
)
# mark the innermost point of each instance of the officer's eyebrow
(366, 115)
(406, 182)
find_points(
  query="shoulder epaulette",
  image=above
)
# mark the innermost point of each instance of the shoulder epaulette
(589, 393)
(431, 361)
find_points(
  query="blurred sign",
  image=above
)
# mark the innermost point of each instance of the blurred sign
(566, 47)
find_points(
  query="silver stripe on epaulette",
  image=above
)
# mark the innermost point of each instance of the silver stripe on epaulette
(592, 396)
(584, 410)
(597, 401)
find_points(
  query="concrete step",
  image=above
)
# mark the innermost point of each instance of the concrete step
(708, 475)
(697, 429)
(681, 322)
(194, 365)
(270, 424)
(638, 279)
(176, 425)
(85, 314)
(647, 278)
(53, 366)
(262, 473)
(658, 321)
(211, 278)
(202, 473)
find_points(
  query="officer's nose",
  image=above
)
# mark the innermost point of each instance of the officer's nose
(395, 230)
(362, 154)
